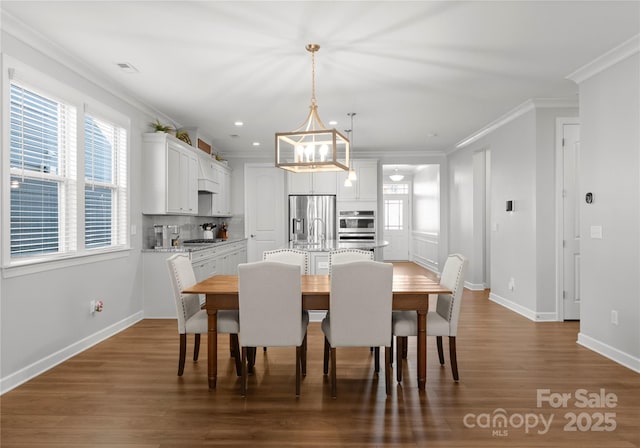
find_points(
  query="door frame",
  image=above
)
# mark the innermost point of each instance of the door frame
(560, 122)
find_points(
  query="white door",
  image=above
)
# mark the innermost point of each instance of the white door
(264, 209)
(396, 224)
(571, 221)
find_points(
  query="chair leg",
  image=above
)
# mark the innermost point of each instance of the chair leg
(387, 370)
(454, 359)
(333, 373)
(376, 354)
(304, 355)
(235, 350)
(391, 346)
(405, 347)
(440, 351)
(251, 356)
(298, 369)
(243, 379)
(399, 359)
(325, 365)
(196, 347)
(183, 353)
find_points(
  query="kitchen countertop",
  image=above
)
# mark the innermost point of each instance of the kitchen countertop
(330, 245)
(195, 247)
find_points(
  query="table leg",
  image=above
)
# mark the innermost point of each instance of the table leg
(422, 349)
(212, 348)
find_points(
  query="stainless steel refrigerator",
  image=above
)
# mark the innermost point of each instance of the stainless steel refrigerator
(312, 218)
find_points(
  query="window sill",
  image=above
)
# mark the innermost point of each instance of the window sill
(32, 267)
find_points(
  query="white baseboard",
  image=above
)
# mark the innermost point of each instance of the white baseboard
(37, 368)
(316, 316)
(526, 312)
(610, 352)
(475, 286)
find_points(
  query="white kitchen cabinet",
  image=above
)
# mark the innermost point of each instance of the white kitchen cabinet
(312, 183)
(170, 176)
(363, 189)
(218, 204)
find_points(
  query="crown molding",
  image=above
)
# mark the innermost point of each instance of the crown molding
(529, 105)
(603, 62)
(32, 38)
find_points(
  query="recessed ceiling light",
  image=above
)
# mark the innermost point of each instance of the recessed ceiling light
(238, 123)
(432, 134)
(256, 143)
(333, 122)
(127, 68)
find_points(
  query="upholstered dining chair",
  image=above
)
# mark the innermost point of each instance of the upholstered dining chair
(441, 322)
(289, 256)
(270, 299)
(338, 256)
(356, 286)
(191, 318)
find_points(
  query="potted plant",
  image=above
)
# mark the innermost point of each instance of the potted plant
(159, 127)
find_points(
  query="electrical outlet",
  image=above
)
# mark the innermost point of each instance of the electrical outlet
(512, 284)
(92, 306)
(614, 317)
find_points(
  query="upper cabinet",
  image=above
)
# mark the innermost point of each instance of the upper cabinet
(170, 176)
(218, 204)
(363, 189)
(312, 183)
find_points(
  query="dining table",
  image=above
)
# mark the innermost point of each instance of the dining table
(410, 292)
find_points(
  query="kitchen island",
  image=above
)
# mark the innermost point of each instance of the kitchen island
(319, 252)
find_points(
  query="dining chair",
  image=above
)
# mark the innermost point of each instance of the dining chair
(194, 320)
(271, 315)
(354, 287)
(289, 256)
(338, 256)
(441, 322)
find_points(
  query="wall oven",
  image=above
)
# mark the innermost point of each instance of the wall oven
(356, 225)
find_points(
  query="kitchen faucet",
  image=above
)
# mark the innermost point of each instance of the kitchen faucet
(314, 227)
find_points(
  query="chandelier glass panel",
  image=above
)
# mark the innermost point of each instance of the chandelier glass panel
(312, 147)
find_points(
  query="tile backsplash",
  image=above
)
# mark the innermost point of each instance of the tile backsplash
(190, 226)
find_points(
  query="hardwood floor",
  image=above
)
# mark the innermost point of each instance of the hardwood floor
(124, 392)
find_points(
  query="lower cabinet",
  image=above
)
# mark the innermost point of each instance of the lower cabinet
(319, 263)
(158, 299)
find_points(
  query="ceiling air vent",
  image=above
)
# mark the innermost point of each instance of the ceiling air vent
(127, 68)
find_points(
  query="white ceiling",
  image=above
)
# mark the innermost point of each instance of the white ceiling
(408, 69)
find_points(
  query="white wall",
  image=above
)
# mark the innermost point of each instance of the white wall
(45, 316)
(522, 242)
(425, 236)
(610, 167)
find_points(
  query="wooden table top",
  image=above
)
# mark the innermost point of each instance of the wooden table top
(320, 284)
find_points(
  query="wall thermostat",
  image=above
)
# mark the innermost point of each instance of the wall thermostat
(589, 198)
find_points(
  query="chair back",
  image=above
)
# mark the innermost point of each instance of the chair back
(348, 255)
(289, 256)
(452, 277)
(270, 298)
(182, 277)
(360, 304)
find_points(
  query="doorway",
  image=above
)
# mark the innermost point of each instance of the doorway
(568, 149)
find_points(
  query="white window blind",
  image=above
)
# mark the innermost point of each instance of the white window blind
(105, 183)
(43, 174)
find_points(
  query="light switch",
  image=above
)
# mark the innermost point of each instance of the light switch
(134, 229)
(494, 227)
(596, 232)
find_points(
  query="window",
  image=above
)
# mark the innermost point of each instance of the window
(393, 210)
(42, 140)
(105, 178)
(63, 201)
(395, 188)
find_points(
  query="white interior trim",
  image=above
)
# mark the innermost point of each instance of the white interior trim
(610, 352)
(603, 62)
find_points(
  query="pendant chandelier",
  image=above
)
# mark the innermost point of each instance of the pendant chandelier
(312, 147)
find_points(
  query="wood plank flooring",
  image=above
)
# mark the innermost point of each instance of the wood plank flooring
(124, 392)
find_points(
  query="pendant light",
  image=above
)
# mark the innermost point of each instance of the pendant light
(312, 147)
(352, 177)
